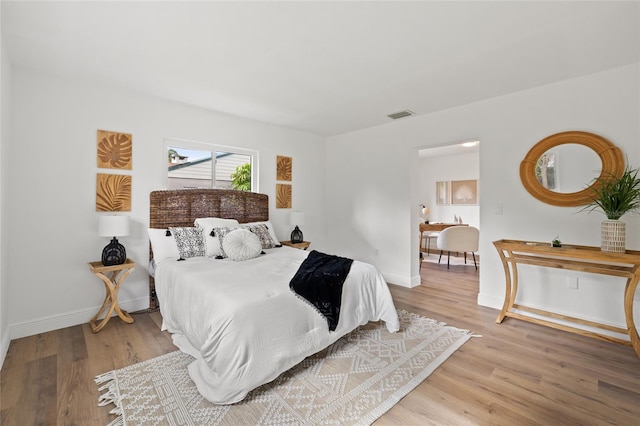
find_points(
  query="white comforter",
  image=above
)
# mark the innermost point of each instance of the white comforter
(245, 326)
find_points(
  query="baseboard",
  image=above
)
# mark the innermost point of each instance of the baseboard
(402, 280)
(56, 322)
(5, 341)
(490, 301)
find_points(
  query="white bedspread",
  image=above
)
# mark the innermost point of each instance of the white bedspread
(245, 326)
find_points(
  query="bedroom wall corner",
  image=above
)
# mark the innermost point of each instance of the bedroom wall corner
(373, 211)
(55, 227)
(5, 114)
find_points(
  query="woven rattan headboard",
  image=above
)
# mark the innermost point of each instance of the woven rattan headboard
(181, 207)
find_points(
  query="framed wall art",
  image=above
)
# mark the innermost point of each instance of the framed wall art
(113, 193)
(442, 193)
(464, 192)
(283, 196)
(283, 168)
(114, 150)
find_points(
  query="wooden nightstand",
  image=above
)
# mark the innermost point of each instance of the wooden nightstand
(112, 283)
(303, 245)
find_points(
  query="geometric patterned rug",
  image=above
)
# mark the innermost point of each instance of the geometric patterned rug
(352, 382)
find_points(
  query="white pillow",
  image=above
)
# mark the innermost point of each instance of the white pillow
(216, 222)
(212, 243)
(241, 244)
(272, 232)
(163, 246)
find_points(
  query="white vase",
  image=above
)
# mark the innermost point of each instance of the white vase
(612, 236)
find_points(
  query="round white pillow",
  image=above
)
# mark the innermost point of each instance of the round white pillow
(241, 244)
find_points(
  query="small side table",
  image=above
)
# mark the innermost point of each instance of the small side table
(113, 276)
(302, 246)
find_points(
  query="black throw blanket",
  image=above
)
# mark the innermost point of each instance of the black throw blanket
(319, 281)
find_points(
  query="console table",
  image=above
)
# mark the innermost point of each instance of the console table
(576, 258)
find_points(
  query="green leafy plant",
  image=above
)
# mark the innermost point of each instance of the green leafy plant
(616, 196)
(241, 178)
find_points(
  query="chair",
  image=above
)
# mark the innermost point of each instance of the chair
(459, 239)
(428, 237)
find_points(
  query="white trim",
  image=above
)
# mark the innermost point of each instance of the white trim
(5, 341)
(490, 301)
(401, 280)
(56, 322)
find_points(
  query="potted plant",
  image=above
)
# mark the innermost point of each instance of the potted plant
(615, 196)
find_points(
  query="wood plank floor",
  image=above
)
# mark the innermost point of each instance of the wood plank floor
(516, 374)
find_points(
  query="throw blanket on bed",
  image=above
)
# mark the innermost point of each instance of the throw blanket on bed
(319, 281)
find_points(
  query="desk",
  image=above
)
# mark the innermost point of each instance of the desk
(433, 227)
(576, 258)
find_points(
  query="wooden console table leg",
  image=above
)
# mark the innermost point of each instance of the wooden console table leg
(111, 300)
(629, 292)
(510, 290)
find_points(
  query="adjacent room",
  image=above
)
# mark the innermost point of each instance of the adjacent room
(390, 212)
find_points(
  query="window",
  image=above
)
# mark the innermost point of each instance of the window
(200, 165)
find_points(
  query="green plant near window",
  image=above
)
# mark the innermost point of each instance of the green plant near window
(172, 153)
(241, 178)
(616, 196)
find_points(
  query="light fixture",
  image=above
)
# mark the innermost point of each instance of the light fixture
(425, 213)
(113, 226)
(469, 144)
(296, 219)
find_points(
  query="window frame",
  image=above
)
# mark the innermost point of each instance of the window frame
(213, 148)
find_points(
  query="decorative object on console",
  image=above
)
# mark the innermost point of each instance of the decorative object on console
(556, 242)
(615, 196)
(113, 226)
(296, 219)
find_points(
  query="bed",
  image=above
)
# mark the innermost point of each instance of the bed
(239, 319)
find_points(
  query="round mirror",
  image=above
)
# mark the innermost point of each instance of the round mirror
(557, 167)
(567, 168)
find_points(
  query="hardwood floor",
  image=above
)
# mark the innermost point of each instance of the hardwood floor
(517, 373)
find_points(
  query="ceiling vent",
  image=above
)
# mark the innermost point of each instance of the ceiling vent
(401, 114)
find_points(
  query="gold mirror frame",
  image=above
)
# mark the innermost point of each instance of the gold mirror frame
(610, 155)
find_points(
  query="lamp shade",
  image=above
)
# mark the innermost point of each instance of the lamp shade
(113, 226)
(296, 218)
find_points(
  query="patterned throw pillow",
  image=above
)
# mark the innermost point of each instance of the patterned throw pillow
(263, 235)
(221, 233)
(241, 244)
(190, 241)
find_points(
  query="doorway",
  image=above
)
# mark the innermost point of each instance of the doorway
(448, 192)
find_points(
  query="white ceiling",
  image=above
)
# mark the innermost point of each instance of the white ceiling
(323, 67)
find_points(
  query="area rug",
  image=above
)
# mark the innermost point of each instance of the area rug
(352, 382)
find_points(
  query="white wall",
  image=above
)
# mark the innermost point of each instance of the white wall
(373, 217)
(50, 205)
(448, 168)
(5, 115)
